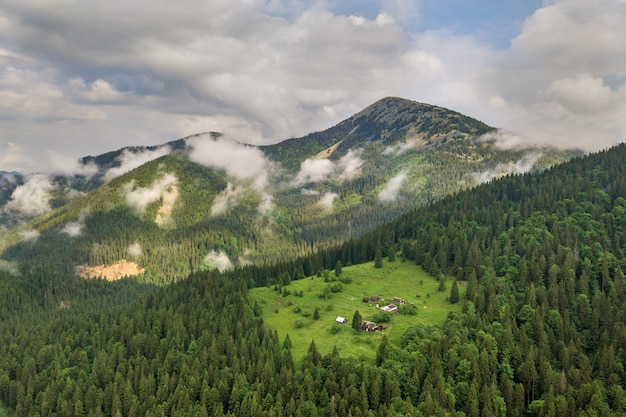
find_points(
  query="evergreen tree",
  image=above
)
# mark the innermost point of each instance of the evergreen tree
(378, 257)
(357, 321)
(454, 293)
(338, 268)
(442, 283)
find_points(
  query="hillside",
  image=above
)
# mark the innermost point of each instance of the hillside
(205, 202)
(541, 330)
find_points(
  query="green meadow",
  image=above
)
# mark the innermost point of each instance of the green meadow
(291, 309)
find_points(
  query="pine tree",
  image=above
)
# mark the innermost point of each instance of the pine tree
(378, 257)
(442, 283)
(357, 320)
(454, 293)
(338, 268)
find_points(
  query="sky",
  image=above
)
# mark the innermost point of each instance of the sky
(82, 77)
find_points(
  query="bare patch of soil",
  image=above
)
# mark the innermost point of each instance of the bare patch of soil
(110, 272)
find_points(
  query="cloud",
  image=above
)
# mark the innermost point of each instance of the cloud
(392, 189)
(33, 197)
(64, 165)
(106, 74)
(236, 159)
(73, 229)
(401, 147)
(131, 159)
(217, 260)
(526, 164)
(12, 157)
(228, 198)
(327, 200)
(349, 165)
(243, 162)
(504, 139)
(580, 94)
(30, 235)
(138, 198)
(135, 250)
(314, 170)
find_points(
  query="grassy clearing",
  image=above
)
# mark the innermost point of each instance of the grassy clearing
(294, 314)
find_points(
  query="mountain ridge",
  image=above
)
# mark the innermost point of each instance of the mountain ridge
(231, 204)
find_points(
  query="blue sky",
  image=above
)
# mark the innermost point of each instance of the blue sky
(83, 78)
(496, 22)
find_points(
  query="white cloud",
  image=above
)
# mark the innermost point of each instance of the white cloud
(13, 157)
(217, 260)
(327, 200)
(314, 170)
(242, 162)
(102, 75)
(138, 198)
(33, 197)
(581, 94)
(393, 187)
(349, 165)
(99, 91)
(135, 250)
(73, 229)
(401, 147)
(68, 166)
(131, 159)
(228, 198)
(526, 164)
(30, 235)
(504, 139)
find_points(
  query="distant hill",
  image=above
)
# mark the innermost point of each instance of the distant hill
(205, 202)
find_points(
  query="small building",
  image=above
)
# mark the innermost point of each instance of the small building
(382, 327)
(397, 300)
(391, 308)
(369, 326)
(374, 299)
(366, 300)
(341, 320)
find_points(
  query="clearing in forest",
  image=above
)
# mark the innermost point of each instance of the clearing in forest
(291, 309)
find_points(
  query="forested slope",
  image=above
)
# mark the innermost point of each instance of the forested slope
(314, 193)
(541, 333)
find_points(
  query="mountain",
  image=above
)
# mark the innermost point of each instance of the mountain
(540, 332)
(205, 202)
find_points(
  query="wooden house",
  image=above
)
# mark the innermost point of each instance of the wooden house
(369, 326)
(391, 308)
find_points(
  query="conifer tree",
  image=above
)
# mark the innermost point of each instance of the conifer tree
(378, 257)
(357, 320)
(454, 293)
(338, 268)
